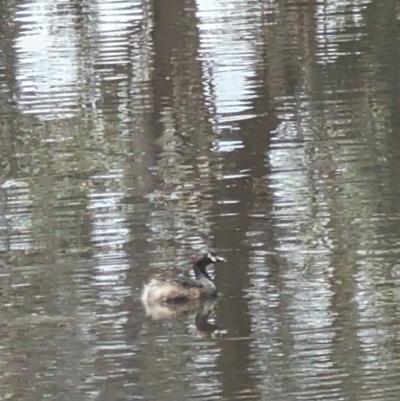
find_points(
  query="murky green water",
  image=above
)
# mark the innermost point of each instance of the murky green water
(134, 134)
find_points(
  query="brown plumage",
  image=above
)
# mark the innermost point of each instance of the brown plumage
(183, 289)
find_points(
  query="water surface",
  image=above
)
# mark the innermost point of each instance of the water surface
(135, 134)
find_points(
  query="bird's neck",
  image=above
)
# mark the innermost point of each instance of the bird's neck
(201, 272)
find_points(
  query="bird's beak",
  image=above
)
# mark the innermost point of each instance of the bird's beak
(220, 259)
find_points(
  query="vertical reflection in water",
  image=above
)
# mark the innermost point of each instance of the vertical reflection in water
(312, 330)
(333, 21)
(46, 63)
(260, 309)
(18, 218)
(109, 232)
(375, 333)
(183, 167)
(232, 232)
(4, 243)
(237, 86)
(205, 380)
(230, 55)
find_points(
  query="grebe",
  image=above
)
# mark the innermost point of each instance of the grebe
(184, 289)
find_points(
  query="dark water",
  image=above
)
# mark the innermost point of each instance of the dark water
(134, 134)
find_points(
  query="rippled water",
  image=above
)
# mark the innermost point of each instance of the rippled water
(134, 134)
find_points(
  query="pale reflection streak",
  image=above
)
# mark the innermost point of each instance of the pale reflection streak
(334, 21)
(109, 232)
(301, 217)
(48, 57)
(230, 56)
(109, 227)
(18, 236)
(205, 382)
(375, 330)
(47, 65)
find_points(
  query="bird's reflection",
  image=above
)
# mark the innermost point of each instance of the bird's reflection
(204, 328)
(203, 309)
